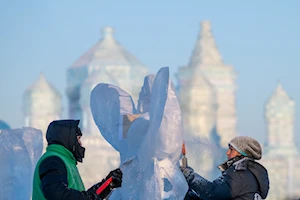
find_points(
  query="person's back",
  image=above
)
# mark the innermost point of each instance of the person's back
(246, 178)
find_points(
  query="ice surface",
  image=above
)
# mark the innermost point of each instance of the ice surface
(19, 151)
(165, 131)
(108, 103)
(151, 136)
(33, 140)
(145, 94)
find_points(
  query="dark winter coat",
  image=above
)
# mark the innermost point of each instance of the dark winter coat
(52, 170)
(245, 179)
(56, 176)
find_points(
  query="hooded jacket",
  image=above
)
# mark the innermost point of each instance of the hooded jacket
(56, 175)
(244, 179)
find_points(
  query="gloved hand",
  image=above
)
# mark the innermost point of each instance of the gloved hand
(116, 182)
(188, 173)
(117, 175)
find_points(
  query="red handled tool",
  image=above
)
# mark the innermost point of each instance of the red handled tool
(104, 185)
(108, 181)
(184, 159)
(185, 164)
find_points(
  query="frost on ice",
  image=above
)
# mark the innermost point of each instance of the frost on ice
(150, 135)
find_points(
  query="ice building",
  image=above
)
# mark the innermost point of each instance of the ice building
(281, 156)
(206, 88)
(106, 62)
(41, 105)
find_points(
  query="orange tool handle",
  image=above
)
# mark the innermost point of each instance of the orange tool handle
(104, 185)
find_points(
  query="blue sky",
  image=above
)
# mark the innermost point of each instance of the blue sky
(259, 38)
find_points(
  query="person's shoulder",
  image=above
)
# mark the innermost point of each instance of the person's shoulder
(238, 169)
(52, 160)
(256, 165)
(52, 163)
(229, 172)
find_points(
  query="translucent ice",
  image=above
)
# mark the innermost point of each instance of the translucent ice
(151, 136)
(19, 151)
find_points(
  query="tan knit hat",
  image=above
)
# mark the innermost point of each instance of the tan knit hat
(247, 146)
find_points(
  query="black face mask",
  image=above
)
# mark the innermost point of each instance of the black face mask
(78, 150)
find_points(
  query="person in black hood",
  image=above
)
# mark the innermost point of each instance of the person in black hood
(56, 175)
(242, 177)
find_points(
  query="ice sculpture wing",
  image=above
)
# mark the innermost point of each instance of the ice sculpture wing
(108, 103)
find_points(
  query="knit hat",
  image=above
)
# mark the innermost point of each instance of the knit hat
(247, 146)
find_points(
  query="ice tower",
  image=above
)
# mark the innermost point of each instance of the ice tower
(207, 61)
(41, 105)
(281, 157)
(280, 118)
(207, 99)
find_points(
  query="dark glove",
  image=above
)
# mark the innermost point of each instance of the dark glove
(117, 178)
(188, 173)
(116, 182)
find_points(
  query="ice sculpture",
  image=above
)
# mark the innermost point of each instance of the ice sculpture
(151, 136)
(19, 151)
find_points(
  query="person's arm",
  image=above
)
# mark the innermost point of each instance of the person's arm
(53, 174)
(54, 181)
(220, 189)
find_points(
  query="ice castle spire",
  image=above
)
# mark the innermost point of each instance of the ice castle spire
(280, 117)
(108, 34)
(205, 51)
